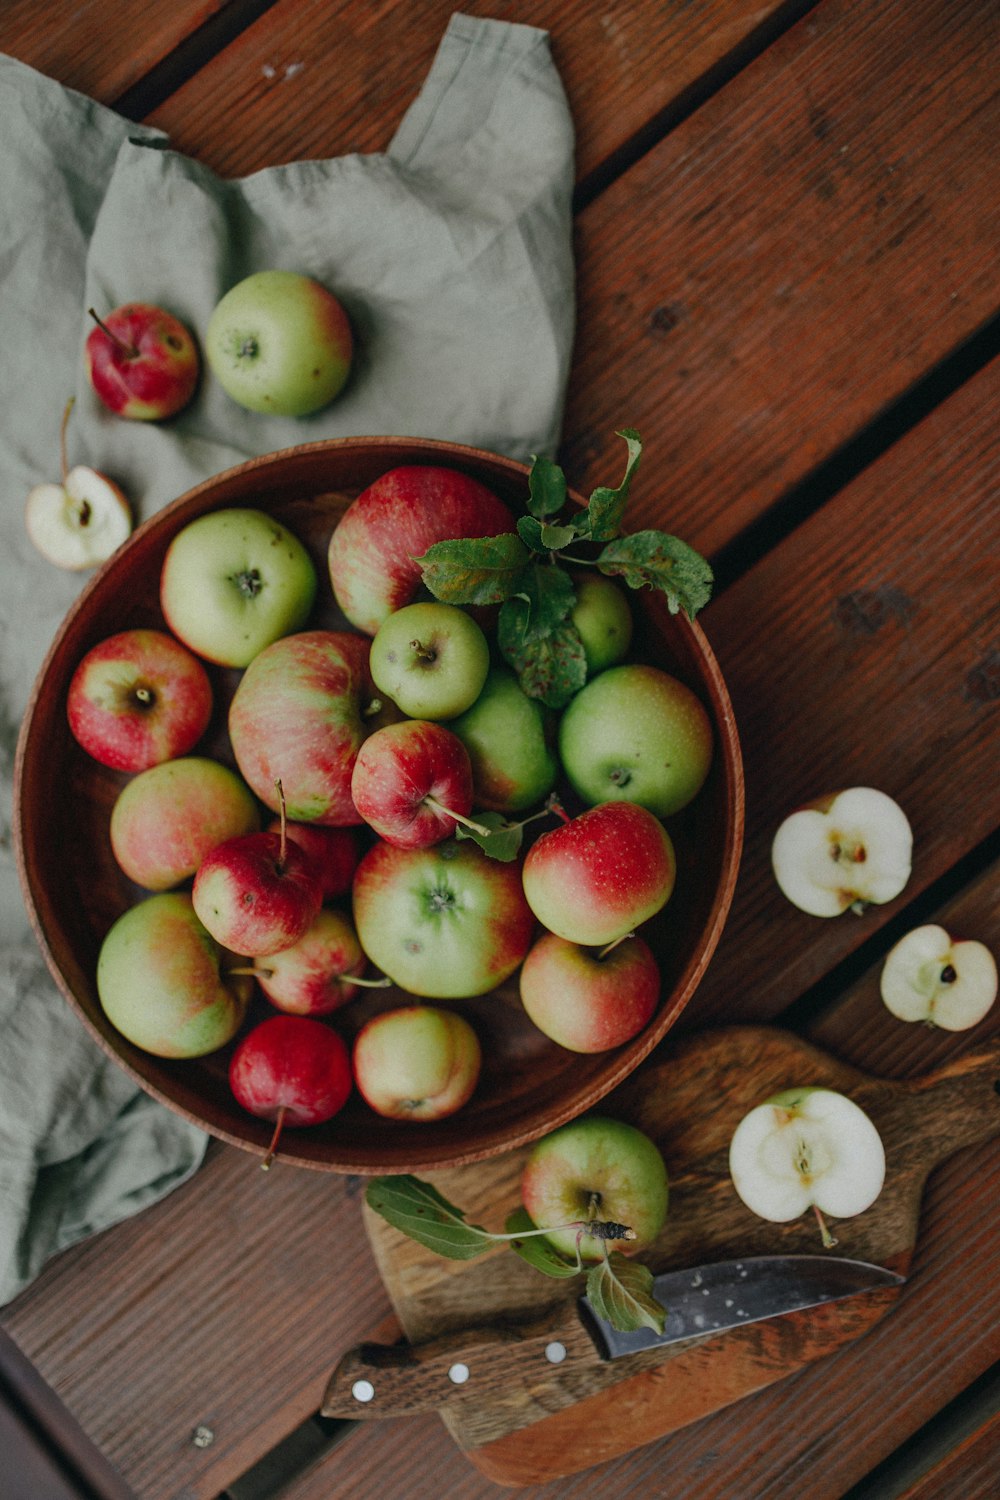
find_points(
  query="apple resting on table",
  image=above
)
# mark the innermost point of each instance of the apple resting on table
(589, 999)
(373, 550)
(257, 894)
(598, 876)
(142, 362)
(279, 342)
(292, 1070)
(446, 922)
(596, 1168)
(853, 849)
(931, 976)
(430, 659)
(233, 581)
(166, 819)
(319, 972)
(807, 1148)
(299, 716)
(418, 1062)
(138, 698)
(80, 521)
(412, 783)
(166, 984)
(637, 734)
(507, 735)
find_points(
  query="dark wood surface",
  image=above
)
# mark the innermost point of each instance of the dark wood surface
(786, 239)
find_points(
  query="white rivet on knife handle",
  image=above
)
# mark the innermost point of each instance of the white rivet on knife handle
(458, 1374)
(555, 1352)
(363, 1390)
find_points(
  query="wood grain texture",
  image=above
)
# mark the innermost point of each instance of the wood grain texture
(865, 650)
(789, 260)
(313, 80)
(969, 1472)
(107, 46)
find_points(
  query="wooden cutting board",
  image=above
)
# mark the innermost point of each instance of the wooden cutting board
(689, 1097)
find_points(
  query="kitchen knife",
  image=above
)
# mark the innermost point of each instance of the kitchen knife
(392, 1380)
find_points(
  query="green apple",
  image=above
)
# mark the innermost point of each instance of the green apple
(430, 659)
(507, 735)
(233, 581)
(634, 733)
(596, 1168)
(807, 1148)
(445, 922)
(417, 1062)
(164, 982)
(281, 343)
(603, 620)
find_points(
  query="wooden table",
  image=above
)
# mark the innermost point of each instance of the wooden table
(787, 236)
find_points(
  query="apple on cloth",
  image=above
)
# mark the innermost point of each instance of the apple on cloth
(432, 248)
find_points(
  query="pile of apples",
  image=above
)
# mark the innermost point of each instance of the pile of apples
(349, 820)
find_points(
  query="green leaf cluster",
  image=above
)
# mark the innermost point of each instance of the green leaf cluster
(526, 572)
(619, 1289)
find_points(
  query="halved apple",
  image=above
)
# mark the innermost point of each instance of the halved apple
(807, 1148)
(930, 976)
(853, 849)
(80, 521)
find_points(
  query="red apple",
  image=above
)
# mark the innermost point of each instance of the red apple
(256, 894)
(298, 716)
(598, 876)
(292, 1070)
(445, 922)
(416, 1063)
(138, 698)
(142, 361)
(411, 782)
(335, 852)
(374, 547)
(589, 999)
(166, 819)
(313, 976)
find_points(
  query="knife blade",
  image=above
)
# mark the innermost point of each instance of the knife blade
(702, 1302)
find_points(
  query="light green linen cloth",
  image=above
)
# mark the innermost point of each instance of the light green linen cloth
(452, 253)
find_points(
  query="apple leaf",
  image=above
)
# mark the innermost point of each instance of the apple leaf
(546, 487)
(536, 1249)
(420, 1211)
(542, 537)
(503, 841)
(621, 1292)
(655, 560)
(550, 664)
(474, 570)
(604, 513)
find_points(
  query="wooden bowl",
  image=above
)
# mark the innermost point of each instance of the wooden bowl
(74, 889)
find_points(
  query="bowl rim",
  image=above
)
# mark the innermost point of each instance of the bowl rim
(627, 1058)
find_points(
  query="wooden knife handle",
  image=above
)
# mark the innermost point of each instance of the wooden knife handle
(395, 1380)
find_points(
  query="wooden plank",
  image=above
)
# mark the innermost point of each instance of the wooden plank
(103, 48)
(789, 261)
(314, 81)
(863, 651)
(217, 1309)
(969, 1472)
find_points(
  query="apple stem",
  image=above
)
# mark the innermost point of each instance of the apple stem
(373, 708)
(556, 806)
(129, 350)
(62, 436)
(283, 826)
(252, 971)
(828, 1239)
(372, 984)
(614, 944)
(424, 653)
(439, 807)
(265, 1165)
